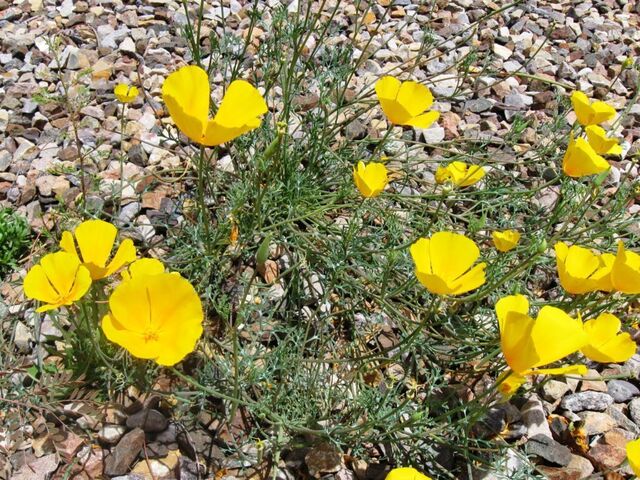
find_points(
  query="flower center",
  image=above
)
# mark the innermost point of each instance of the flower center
(150, 336)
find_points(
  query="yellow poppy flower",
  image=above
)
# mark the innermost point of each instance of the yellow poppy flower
(505, 240)
(460, 174)
(625, 274)
(602, 144)
(581, 159)
(59, 279)
(581, 271)
(143, 266)
(589, 113)
(406, 103)
(157, 317)
(125, 93)
(513, 381)
(95, 239)
(406, 473)
(444, 263)
(633, 455)
(527, 343)
(605, 344)
(370, 179)
(186, 93)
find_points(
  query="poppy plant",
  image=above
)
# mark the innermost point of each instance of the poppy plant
(460, 174)
(445, 263)
(581, 271)
(591, 113)
(125, 93)
(406, 473)
(186, 93)
(157, 317)
(606, 345)
(95, 240)
(505, 240)
(581, 160)
(406, 103)
(625, 273)
(59, 279)
(370, 179)
(602, 144)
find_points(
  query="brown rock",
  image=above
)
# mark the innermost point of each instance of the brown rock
(607, 457)
(269, 271)
(323, 458)
(554, 473)
(124, 453)
(68, 445)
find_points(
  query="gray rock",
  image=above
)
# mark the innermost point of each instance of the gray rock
(622, 391)
(616, 413)
(111, 434)
(548, 449)
(534, 418)
(149, 420)
(553, 390)
(22, 337)
(138, 156)
(634, 410)
(577, 402)
(478, 105)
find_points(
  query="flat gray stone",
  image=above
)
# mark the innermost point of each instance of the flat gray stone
(595, 401)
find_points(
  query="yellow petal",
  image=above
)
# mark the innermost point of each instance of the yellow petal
(95, 240)
(451, 254)
(633, 455)
(387, 89)
(425, 120)
(239, 113)
(602, 112)
(516, 333)
(80, 286)
(505, 240)
(582, 107)
(420, 253)
(509, 383)
(37, 286)
(68, 244)
(144, 266)
(370, 179)
(404, 103)
(460, 174)
(414, 97)
(591, 113)
(129, 305)
(625, 273)
(125, 93)
(125, 254)
(406, 473)
(61, 269)
(134, 342)
(186, 93)
(602, 144)
(470, 280)
(556, 335)
(581, 271)
(582, 160)
(605, 345)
